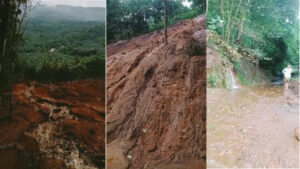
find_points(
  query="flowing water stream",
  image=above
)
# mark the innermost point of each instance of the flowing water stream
(233, 81)
(252, 127)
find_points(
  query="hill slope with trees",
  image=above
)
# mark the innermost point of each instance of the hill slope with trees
(130, 18)
(264, 33)
(58, 49)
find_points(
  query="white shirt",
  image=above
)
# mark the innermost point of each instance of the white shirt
(287, 72)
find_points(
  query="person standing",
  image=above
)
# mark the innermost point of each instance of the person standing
(287, 72)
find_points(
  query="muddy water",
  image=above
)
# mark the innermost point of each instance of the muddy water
(252, 127)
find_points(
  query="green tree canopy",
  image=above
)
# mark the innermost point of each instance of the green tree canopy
(129, 18)
(267, 29)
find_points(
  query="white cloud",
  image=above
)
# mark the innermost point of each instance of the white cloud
(85, 3)
(187, 3)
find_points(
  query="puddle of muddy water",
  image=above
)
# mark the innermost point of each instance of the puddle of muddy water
(252, 127)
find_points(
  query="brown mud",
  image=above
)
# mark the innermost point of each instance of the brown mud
(253, 127)
(156, 100)
(55, 126)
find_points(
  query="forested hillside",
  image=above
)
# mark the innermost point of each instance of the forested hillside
(130, 18)
(62, 49)
(263, 33)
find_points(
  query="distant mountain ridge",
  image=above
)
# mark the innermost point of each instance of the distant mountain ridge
(65, 12)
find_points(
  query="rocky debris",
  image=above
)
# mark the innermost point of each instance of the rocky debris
(58, 125)
(161, 90)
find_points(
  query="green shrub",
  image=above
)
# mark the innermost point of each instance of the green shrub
(212, 80)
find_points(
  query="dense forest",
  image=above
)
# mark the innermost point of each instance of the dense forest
(130, 18)
(267, 32)
(62, 50)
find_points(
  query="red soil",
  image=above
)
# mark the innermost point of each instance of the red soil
(156, 99)
(73, 116)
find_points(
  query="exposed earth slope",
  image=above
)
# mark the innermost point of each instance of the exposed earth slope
(55, 126)
(156, 99)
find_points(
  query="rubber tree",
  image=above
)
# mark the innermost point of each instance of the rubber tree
(12, 14)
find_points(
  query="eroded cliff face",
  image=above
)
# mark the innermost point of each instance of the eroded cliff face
(156, 99)
(58, 125)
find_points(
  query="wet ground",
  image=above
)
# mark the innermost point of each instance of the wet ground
(55, 126)
(252, 127)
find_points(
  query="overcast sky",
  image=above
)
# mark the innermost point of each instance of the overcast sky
(85, 3)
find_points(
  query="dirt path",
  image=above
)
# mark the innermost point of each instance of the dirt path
(252, 127)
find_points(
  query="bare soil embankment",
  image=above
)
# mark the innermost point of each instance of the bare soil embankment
(156, 99)
(58, 125)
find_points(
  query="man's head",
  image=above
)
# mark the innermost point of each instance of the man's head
(289, 66)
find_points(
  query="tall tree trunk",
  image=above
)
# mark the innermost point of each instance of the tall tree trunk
(241, 29)
(229, 23)
(5, 61)
(206, 6)
(166, 22)
(233, 21)
(221, 8)
(241, 26)
(10, 32)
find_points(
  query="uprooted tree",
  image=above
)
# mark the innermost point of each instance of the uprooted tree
(12, 17)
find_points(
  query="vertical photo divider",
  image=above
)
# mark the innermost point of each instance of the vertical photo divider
(106, 96)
